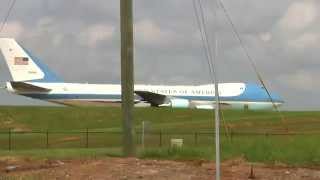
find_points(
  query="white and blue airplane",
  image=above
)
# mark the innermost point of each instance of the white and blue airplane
(33, 79)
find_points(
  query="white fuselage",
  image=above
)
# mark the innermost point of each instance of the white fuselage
(202, 96)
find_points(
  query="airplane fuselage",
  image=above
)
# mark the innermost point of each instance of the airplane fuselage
(233, 95)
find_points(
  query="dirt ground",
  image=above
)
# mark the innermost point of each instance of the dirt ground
(132, 169)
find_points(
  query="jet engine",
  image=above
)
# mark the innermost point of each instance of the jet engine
(180, 103)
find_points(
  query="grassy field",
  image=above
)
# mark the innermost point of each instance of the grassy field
(185, 120)
(64, 125)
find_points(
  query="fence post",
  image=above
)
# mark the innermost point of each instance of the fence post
(196, 138)
(47, 139)
(160, 136)
(9, 141)
(231, 135)
(142, 134)
(87, 138)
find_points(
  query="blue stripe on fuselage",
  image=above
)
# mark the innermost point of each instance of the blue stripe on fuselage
(242, 97)
(72, 96)
(252, 93)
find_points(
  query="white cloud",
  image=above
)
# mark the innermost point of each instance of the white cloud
(299, 15)
(303, 80)
(95, 33)
(147, 32)
(13, 29)
(266, 37)
(57, 39)
(306, 40)
(45, 21)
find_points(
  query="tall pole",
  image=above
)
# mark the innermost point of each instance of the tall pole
(217, 99)
(127, 76)
(217, 118)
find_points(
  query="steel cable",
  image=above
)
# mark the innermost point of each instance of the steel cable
(7, 15)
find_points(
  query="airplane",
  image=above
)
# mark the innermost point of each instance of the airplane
(32, 78)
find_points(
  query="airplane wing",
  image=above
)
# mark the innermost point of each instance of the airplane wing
(25, 87)
(153, 98)
(162, 100)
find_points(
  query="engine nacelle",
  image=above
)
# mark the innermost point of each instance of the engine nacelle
(180, 103)
(205, 107)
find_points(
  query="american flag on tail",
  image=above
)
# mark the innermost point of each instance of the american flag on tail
(21, 61)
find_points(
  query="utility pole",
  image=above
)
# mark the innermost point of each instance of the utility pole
(217, 118)
(127, 76)
(217, 99)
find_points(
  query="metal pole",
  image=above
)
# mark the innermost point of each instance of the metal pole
(196, 139)
(47, 139)
(10, 144)
(142, 135)
(127, 75)
(217, 100)
(87, 138)
(217, 125)
(160, 139)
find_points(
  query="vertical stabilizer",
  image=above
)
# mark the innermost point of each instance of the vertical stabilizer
(22, 65)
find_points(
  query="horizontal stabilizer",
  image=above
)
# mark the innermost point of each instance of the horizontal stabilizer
(25, 87)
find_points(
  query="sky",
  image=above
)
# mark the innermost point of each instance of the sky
(80, 41)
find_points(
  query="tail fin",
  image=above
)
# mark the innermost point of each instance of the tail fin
(23, 66)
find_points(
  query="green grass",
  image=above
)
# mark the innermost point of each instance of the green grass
(66, 123)
(101, 118)
(69, 153)
(295, 151)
